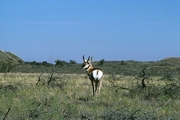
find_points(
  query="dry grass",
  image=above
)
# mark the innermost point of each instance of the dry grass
(69, 96)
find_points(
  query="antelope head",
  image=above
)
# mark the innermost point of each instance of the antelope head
(87, 63)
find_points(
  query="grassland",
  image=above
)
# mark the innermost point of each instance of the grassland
(131, 90)
(47, 96)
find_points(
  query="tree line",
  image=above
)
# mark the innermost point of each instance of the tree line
(9, 65)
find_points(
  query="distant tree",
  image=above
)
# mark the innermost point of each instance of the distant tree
(72, 62)
(60, 62)
(34, 63)
(122, 62)
(46, 64)
(101, 62)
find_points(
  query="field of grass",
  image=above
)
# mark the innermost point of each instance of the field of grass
(27, 96)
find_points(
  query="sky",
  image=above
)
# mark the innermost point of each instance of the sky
(47, 30)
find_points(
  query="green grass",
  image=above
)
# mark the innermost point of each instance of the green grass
(69, 96)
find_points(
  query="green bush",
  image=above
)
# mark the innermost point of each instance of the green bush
(101, 62)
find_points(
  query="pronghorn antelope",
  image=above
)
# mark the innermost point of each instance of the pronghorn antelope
(95, 75)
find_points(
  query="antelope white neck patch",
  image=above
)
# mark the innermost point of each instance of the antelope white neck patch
(86, 66)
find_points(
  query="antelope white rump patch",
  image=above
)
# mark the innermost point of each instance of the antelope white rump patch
(97, 74)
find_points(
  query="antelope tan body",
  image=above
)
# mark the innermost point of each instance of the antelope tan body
(95, 75)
